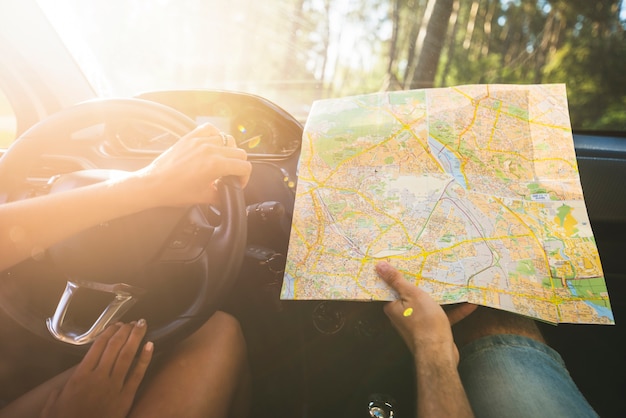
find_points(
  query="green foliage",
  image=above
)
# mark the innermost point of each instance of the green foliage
(580, 43)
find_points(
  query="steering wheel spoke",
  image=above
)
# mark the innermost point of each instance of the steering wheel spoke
(190, 238)
(124, 297)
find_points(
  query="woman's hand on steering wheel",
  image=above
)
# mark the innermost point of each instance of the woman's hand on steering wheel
(184, 174)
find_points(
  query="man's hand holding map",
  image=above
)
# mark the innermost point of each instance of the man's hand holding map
(472, 192)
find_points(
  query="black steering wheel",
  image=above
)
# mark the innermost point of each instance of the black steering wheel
(176, 264)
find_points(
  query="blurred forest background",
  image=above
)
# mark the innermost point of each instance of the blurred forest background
(435, 43)
(296, 51)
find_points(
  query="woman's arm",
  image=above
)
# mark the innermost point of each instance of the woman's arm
(183, 175)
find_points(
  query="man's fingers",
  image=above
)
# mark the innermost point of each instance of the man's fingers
(392, 309)
(400, 310)
(393, 278)
(460, 312)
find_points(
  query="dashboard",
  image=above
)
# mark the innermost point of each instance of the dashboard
(260, 127)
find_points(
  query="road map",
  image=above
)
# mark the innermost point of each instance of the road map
(472, 192)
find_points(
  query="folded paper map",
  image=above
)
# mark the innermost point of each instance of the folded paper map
(472, 192)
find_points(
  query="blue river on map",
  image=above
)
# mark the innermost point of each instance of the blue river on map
(448, 160)
(601, 310)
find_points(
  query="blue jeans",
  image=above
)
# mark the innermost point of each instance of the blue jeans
(515, 376)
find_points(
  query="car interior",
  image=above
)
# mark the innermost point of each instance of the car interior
(307, 358)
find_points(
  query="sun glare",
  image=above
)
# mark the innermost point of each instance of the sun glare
(146, 44)
(126, 47)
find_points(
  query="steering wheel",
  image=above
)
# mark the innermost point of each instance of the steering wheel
(174, 264)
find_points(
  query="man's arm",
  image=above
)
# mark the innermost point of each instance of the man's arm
(439, 389)
(426, 329)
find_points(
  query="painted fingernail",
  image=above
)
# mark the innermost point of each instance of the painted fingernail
(149, 346)
(141, 323)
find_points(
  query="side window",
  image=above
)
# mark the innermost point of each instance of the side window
(8, 124)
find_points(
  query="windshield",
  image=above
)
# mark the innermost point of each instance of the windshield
(296, 51)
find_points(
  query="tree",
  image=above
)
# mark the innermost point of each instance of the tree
(430, 42)
(454, 23)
